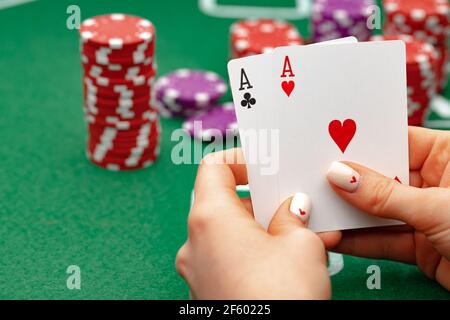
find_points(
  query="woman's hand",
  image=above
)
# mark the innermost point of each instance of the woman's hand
(424, 207)
(230, 256)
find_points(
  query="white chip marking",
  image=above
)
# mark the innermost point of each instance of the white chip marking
(418, 14)
(202, 99)
(211, 76)
(221, 88)
(116, 43)
(87, 35)
(267, 28)
(241, 45)
(183, 73)
(117, 16)
(170, 95)
(145, 36)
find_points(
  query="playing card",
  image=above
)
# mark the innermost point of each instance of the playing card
(249, 80)
(342, 102)
(252, 80)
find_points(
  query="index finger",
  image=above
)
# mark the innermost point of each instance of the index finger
(421, 142)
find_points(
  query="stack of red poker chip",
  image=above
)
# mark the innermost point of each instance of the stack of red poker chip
(118, 59)
(425, 20)
(421, 68)
(250, 37)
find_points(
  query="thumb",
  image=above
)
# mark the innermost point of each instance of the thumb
(291, 215)
(386, 198)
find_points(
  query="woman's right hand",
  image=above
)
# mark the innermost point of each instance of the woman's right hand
(424, 207)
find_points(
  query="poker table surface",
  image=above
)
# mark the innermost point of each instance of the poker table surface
(122, 229)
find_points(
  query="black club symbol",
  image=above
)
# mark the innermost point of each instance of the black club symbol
(248, 101)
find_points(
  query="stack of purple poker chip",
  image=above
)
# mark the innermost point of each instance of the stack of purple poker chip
(219, 120)
(333, 19)
(184, 92)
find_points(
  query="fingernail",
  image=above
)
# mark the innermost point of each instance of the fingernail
(343, 176)
(301, 206)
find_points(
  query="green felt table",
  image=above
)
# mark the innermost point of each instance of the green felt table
(122, 229)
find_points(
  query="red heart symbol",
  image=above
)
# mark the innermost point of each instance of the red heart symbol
(342, 134)
(302, 213)
(353, 180)
(288, 87)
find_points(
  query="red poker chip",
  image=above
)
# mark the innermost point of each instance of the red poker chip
(119, 92)
(124, 140)
(123, 64)
(250, 37)
(122, 144)
(146, 48)
(416, 51)
(418, 12)
(116, 88)
(125, 114)
(113, 166)
(149, 63)
(126, 160)
(97, 137)
(130, 160)
(116, 31)
(119, 125)
(145, 58)
(149, 153)
(117, 52)
(116, 103)
(416, 114)
(126, 95)
(155, 127)
(122, 150)
(421, 97)
(96, 71)
(138, 81)
(416, 120)
(119, 113)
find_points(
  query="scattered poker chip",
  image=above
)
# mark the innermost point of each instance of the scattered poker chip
(425, 20)
(116, 31)
(421, 69)
(117, 55)
(333, 19)
(250, 37)
(219, 120)
(185, 92)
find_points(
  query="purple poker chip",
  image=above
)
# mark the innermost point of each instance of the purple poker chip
(190, 89)
(220, 119)
(332, 19)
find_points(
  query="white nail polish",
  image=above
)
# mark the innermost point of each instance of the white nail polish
(343, 176)
(301, 206)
